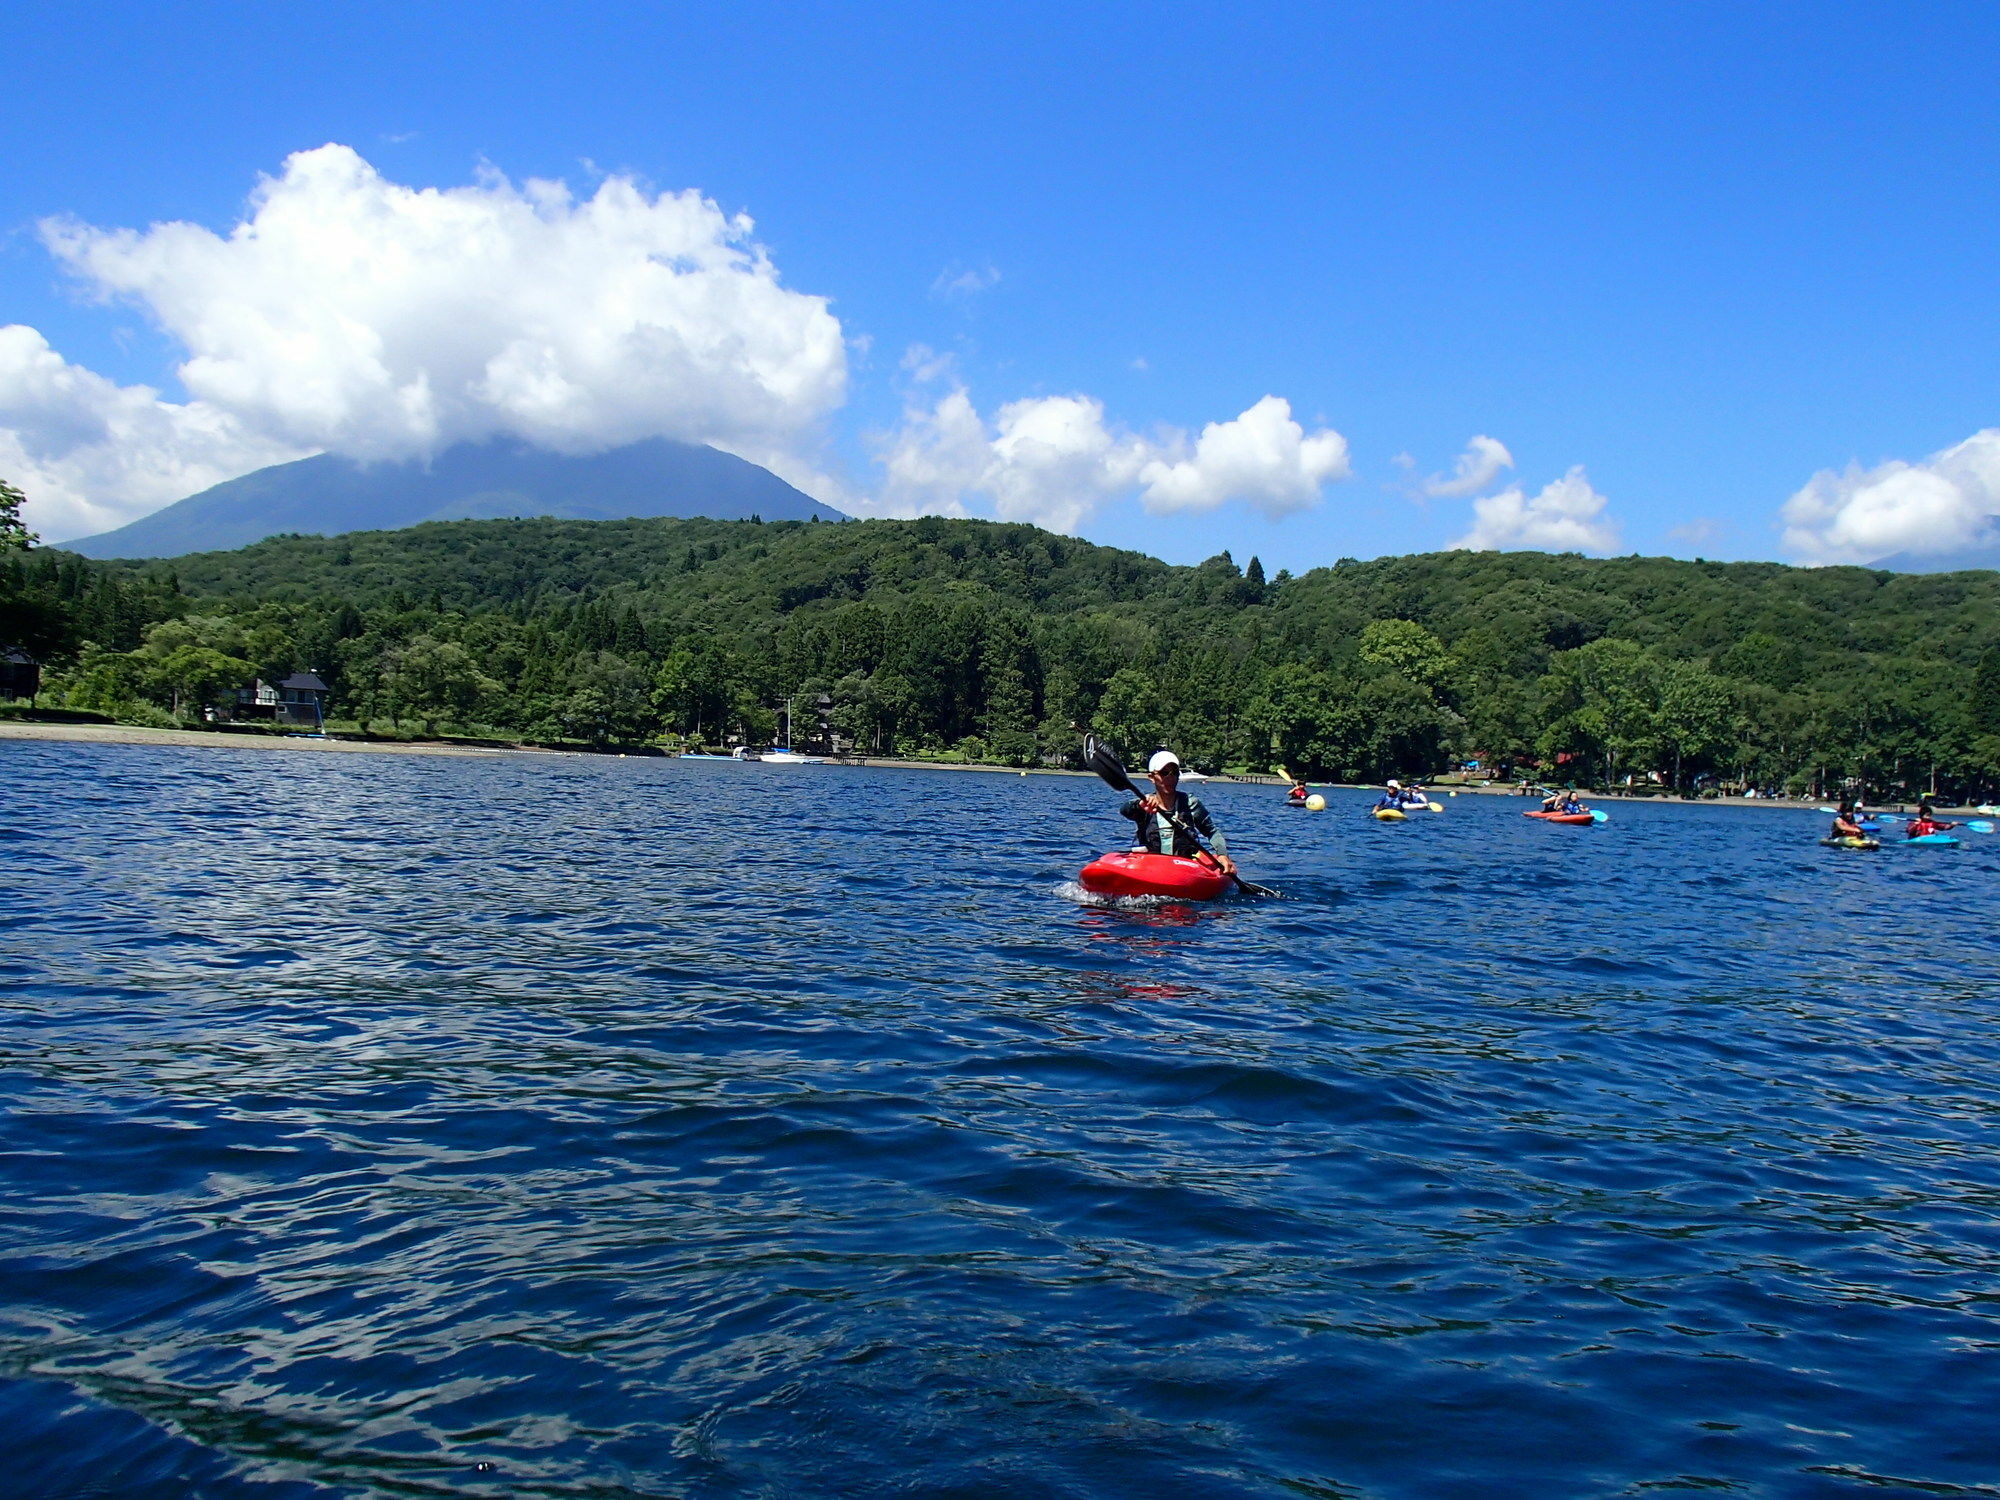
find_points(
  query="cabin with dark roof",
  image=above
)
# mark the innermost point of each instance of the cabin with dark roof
(299, 699)
(20, 673)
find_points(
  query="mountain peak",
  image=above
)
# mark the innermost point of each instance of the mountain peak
(327, 494)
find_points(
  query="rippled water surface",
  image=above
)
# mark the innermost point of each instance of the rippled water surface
(525, 1126)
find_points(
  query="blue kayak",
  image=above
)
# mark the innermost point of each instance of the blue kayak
(1932, 838)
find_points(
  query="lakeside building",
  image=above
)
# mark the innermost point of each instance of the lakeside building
(299, 699)
(20, 673)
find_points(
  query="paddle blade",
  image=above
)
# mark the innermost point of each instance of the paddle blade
(1599, 817)
(1980, 826)
(1437, 807)
(1099, 757)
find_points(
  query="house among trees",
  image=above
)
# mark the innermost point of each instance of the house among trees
(299, 699)
(20, 673)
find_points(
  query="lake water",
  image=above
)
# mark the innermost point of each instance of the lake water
(563, 1126)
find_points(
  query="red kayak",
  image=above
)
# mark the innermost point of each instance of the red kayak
(1577, 818)
(1153, 875)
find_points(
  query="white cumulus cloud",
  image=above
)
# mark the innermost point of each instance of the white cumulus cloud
(1949, 501)
(1567, 516)
(1263, 456)
(348, 313)
(353, 314)
(91, 454)
(1478, 466)
(1052, 460)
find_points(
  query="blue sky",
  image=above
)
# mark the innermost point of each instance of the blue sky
(1704, 252)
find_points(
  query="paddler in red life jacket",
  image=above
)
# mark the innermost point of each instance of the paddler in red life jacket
(1156, 835)
(1298, 791)
(1924, 823)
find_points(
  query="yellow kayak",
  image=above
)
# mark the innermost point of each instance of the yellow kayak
(1391, 815)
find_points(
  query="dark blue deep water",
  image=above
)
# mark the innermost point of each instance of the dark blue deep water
(559, 1126)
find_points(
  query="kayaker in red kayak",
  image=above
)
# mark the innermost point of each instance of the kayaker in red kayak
(1924, 823)
(1156, 835)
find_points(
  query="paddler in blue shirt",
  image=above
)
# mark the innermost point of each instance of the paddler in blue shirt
(1390, 800)
(1158, 836)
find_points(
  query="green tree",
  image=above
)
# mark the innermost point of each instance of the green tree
(1601, 701)
(1315, 726)
(431, 679)
(610, 698)
(1407, 650)
(697, 686)
(14, 533)
(1982, 703)
(1694, 718)
(104, 682)
(1006, 671)
(1406, 730)
(192, 676)
(1132, 714)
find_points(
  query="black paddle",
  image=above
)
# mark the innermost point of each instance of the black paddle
(1097, 755)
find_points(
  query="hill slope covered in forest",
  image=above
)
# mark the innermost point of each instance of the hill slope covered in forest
(1007, 640)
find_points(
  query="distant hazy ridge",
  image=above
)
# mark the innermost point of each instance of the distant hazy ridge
(325, 495)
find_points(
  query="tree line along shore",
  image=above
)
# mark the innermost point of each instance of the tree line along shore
(972, 641)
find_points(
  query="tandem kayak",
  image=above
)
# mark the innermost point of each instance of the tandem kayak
(1578, 819)
(1391, 815)
(1849, 843)
(1153, 875)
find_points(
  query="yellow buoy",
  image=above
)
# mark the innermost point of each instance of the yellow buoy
(1315, 803)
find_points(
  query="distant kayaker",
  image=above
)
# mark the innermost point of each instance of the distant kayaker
(1156, 834)
(1298, 792)
(1391, 800)
(1923, 823)
(1565, 802)
(1847, 823)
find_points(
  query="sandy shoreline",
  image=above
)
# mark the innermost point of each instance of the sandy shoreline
(131, 734)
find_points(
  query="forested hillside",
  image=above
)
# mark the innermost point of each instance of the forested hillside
(1004, 641)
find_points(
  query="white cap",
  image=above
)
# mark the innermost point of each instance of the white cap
(1161, 760)
(1397, 785)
